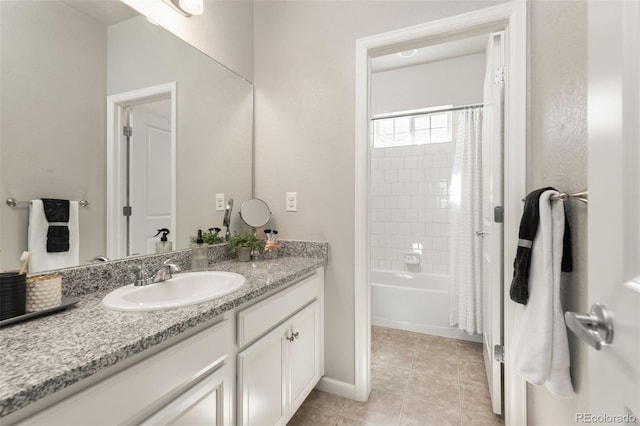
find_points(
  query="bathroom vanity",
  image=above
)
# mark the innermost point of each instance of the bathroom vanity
(89, 364)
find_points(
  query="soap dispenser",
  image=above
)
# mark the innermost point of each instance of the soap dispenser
(199, 250)
(163, 246)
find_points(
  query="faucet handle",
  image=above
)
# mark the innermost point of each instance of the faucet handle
(172, 266)
(142, 277)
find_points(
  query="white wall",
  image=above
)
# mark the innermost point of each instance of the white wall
(304, 75)
(410, 184)
(559, 158)
(456, 81)
(224, 31)
(52, 135)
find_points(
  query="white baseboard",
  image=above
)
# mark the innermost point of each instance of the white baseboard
(336, 387)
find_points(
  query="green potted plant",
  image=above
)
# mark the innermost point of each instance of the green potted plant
(243, 244)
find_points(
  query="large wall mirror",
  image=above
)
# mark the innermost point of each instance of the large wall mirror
(72, 74)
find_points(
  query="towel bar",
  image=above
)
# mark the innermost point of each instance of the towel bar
(580, 196)
(12, 202)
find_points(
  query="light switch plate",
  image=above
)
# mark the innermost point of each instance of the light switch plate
(292, 202)
(219, 202)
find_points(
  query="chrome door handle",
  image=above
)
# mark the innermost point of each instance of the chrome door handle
(596, 327)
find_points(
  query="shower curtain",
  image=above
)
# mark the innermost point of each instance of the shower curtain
(465, 308)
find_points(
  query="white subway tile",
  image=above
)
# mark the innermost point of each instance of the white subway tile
(397, 189)
(417, 150)
(398, 215)
(440, 160)
(444, 173)
(440, 216)
(427, 242)
(432, 229)
(411, 215)
(444, 230)
(390, 228)
(390, 176)
(404, 228)
(445, 257)
(444, 202)
(377, 202)
(391, 253)
(391, 152)
(397, 163)
(417, 229)
(411, 188)
(396, 265)
(411, 162)
(417, 175)
(404, 151)
(391, 202)
(426, 268)
(384, 215)
(377, 227)
(375, 189)
(425, 215)
(441, 243)
(418, 202)
(397, 241)
(432, 174)
(385, 163)
(404, 202)
(377, 176)
(404, 175)
(425, 161)
(374, 265)
(377, 153)
(384, 189)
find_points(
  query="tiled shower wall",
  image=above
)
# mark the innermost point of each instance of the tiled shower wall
(410, 206)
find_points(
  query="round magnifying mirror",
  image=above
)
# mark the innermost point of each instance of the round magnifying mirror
(255, 212)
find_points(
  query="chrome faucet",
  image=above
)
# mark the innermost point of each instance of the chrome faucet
(165, 272)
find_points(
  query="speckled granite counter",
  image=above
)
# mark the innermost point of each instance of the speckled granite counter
(43, 356)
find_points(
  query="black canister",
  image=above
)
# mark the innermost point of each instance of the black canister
(13, 294)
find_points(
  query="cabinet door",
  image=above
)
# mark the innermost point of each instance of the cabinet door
(262, 381)
(208, 402)
(305, 354)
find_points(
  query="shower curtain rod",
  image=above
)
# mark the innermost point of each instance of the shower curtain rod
(429, 111)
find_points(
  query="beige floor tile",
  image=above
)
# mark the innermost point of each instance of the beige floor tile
(473, 419)
(383, 408)
(472, 371)
(392, 355)
(435, 362)
(470, 351)
(325, 401)
(311, 416)
(389, 379)
(475, 399)
(434, 388)
(345, 421)
(416, 412)
(394, 338)
(429, 343)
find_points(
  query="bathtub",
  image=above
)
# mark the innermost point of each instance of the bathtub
(416, 302)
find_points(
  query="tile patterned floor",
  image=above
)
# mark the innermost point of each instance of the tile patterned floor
(417, 380)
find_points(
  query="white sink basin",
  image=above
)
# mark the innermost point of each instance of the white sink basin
(183, 289)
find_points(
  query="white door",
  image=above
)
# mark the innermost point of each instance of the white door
(492, 239)
(614, 204)
(150, 184)
(262, 375)
(305, 359)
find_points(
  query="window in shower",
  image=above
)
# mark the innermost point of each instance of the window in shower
(418, 129)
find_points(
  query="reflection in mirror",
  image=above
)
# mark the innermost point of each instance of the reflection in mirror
(255, 213)
(60, 62)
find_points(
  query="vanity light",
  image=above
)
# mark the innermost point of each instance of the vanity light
(187, 7)
(408, 53)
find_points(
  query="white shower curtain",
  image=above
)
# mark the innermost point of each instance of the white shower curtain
(465, 308)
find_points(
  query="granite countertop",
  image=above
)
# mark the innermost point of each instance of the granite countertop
(45, 355)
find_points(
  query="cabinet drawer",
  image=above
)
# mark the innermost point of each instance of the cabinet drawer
(121, 398)
(261, 317)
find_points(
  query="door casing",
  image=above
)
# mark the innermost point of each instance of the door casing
(512, 18)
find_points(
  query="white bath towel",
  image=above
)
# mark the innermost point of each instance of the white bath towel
(541, 349)
(41, 260)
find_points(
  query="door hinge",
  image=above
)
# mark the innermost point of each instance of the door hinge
(498, 76)
(498, 353)
(127, 131)
(498, 214)
(127, 211)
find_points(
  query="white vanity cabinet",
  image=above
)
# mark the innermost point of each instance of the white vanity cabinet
(278, 370)
(161, 388)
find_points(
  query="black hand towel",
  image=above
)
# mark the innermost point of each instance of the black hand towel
(519, 290)
(57, 213)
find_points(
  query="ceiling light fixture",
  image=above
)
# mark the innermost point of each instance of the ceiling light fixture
(408, 53)
(187, 7)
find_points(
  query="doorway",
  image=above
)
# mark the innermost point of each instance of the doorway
(510, 18)
(141, 169)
